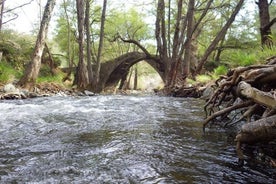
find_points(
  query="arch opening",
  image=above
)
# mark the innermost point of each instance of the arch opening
(142, 77)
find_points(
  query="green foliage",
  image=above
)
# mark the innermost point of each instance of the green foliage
(241, 58)
(220, 70)
(235, 58)
(16, 48)
(129, 25)
(203, 78)
(57, 78)
(200, 79)
(8, 73)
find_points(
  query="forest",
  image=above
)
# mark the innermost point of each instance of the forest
(223, 50)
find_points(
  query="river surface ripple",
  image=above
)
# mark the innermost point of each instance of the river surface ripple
(117, 139)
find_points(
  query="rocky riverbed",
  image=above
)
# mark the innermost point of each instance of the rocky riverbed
(10, 91)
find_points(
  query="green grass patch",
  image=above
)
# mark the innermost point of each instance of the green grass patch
(220, 70)
(8, 73)
(57, 78)
(203, 78)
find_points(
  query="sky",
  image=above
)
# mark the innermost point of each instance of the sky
(29, 15)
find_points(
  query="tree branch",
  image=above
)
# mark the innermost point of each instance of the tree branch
(20, 6)
(225, 111)
(270, 24)
(11, 19)
(137, 44)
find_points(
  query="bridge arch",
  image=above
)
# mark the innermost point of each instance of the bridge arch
(112, 71)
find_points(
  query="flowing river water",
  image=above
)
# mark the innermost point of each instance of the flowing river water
(117, 139)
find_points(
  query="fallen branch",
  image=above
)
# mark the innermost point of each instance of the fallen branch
(226, 110)
(258, 131)
(258, 96)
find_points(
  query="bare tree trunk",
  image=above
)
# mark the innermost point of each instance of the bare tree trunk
(160, 35)
(81, 74)
(135, 84)
(98, 62)
(159, 31)
(169, 29)
(88, 42)
(32, 71)
(219, 36)
(176, 45)
(265, 24)
(70, 62)
(2, 3)
(51, 64)
(188, 48)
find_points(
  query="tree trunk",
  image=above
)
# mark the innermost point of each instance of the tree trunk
(265, 27)
(81, 79)
(219, 36)
(160, 31)
(32, 70)
(98, 61)
(2, 3)
(188, 48)
(175, 60)
(88, 42)
(51, 59)
(169, 29)
(70, 60)
(135, 84)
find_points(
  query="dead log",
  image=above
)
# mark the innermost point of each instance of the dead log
(258, 131)
(264, 98)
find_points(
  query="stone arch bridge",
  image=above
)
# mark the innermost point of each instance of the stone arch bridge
(114, 70)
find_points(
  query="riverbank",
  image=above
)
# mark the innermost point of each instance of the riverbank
(10, 91)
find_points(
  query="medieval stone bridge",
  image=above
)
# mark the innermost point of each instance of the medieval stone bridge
(114, 70)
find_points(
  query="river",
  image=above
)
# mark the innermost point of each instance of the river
(117, 139)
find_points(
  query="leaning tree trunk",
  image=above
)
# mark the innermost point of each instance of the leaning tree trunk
(219, 37)
(32, 70)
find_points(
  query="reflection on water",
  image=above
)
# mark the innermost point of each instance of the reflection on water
(117, 139)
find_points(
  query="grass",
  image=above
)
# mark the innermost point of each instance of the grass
(249, 57)
(51, 78)
(8, 73)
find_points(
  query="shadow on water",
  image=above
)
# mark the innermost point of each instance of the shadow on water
(117, 139)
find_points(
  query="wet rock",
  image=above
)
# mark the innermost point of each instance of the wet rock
(10, 88)
(10, 92)
(208, 92)
(88, 93)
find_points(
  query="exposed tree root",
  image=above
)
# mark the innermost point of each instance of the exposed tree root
(246, 94)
